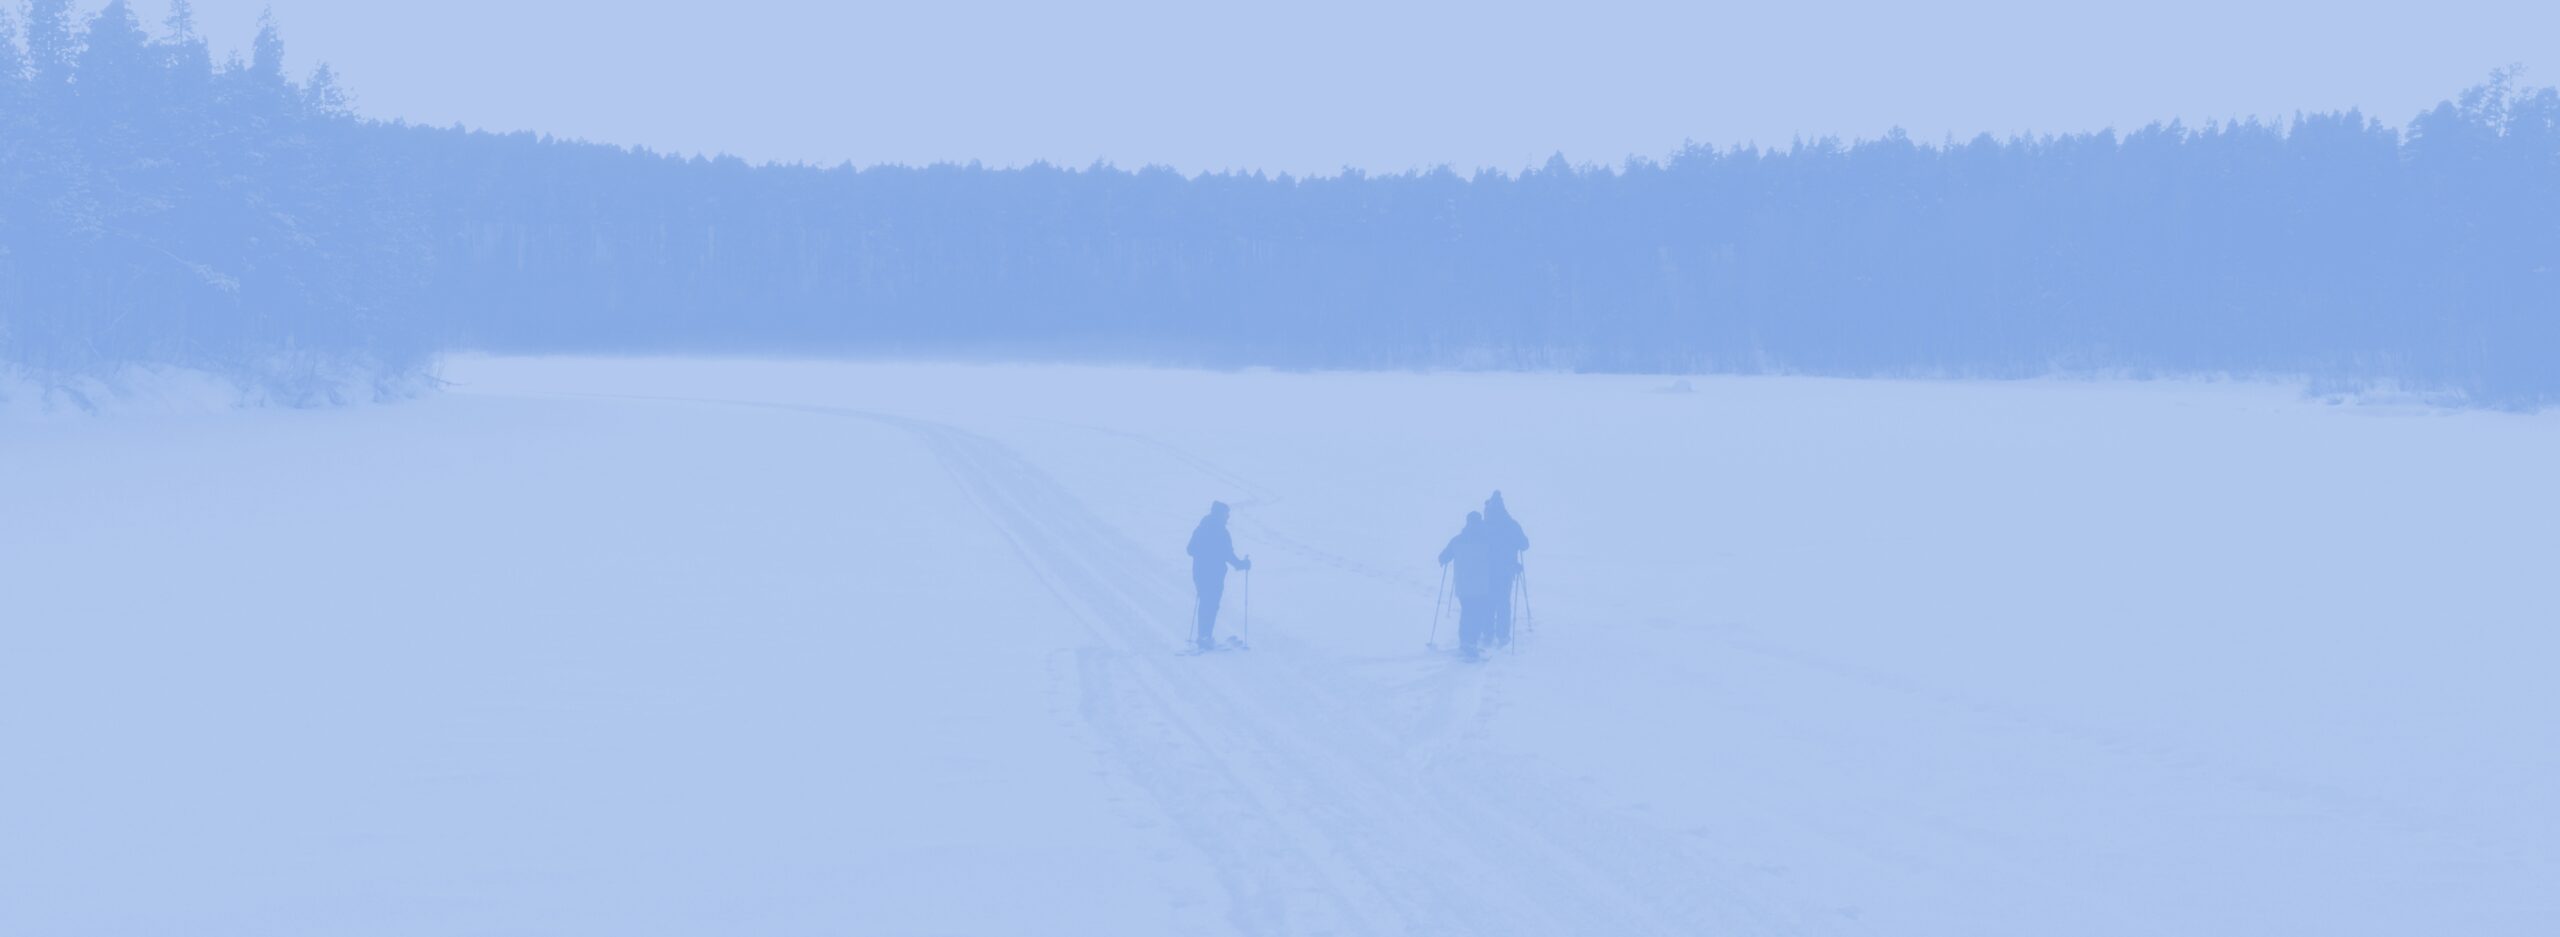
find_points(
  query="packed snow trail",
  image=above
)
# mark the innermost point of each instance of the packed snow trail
(1819, 657)
(1318, 816)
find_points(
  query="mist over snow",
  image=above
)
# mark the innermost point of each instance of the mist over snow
(667, 646)
(2138, 528)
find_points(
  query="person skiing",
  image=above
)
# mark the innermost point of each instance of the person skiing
(1212, 551)
(1476, 572)
(1505, 541)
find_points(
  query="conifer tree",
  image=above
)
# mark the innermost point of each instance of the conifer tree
(13, 60)
(266, 52)
(52, 44)
(186, 51)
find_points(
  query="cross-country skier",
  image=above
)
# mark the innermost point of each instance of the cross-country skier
(1477, 574)
(1212, 551)
(1506, 541)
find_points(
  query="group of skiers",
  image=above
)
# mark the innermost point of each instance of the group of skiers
(1483, 559)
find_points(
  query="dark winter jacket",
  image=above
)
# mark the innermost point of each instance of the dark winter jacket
(1212, 550)
(1504, 536)
(1481, 565)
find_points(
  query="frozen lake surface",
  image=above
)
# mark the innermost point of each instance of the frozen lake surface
(587, 646)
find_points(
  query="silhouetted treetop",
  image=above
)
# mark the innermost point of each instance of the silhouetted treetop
(157, 208)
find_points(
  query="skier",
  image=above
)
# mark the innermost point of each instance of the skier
(1212, 551)
(1477, 574)
(1505, 541)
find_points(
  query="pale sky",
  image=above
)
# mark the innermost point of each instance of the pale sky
(1315, 86)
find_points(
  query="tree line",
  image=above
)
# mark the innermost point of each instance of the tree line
(155, 205)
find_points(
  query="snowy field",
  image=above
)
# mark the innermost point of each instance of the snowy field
(686, 647)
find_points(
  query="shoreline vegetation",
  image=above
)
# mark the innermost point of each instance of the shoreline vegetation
(159, 208)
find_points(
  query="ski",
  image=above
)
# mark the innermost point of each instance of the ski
(1224, 644)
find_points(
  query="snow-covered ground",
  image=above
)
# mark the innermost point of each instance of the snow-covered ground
(692, 647)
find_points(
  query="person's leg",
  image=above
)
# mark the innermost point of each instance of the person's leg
(1497, 618)
(1210, 591)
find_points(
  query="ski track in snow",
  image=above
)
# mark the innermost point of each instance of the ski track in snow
(1321, 811)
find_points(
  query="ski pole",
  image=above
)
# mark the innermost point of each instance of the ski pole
(1244, 607)
(1514, 628)
(1439, 600)
(1525, 613)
